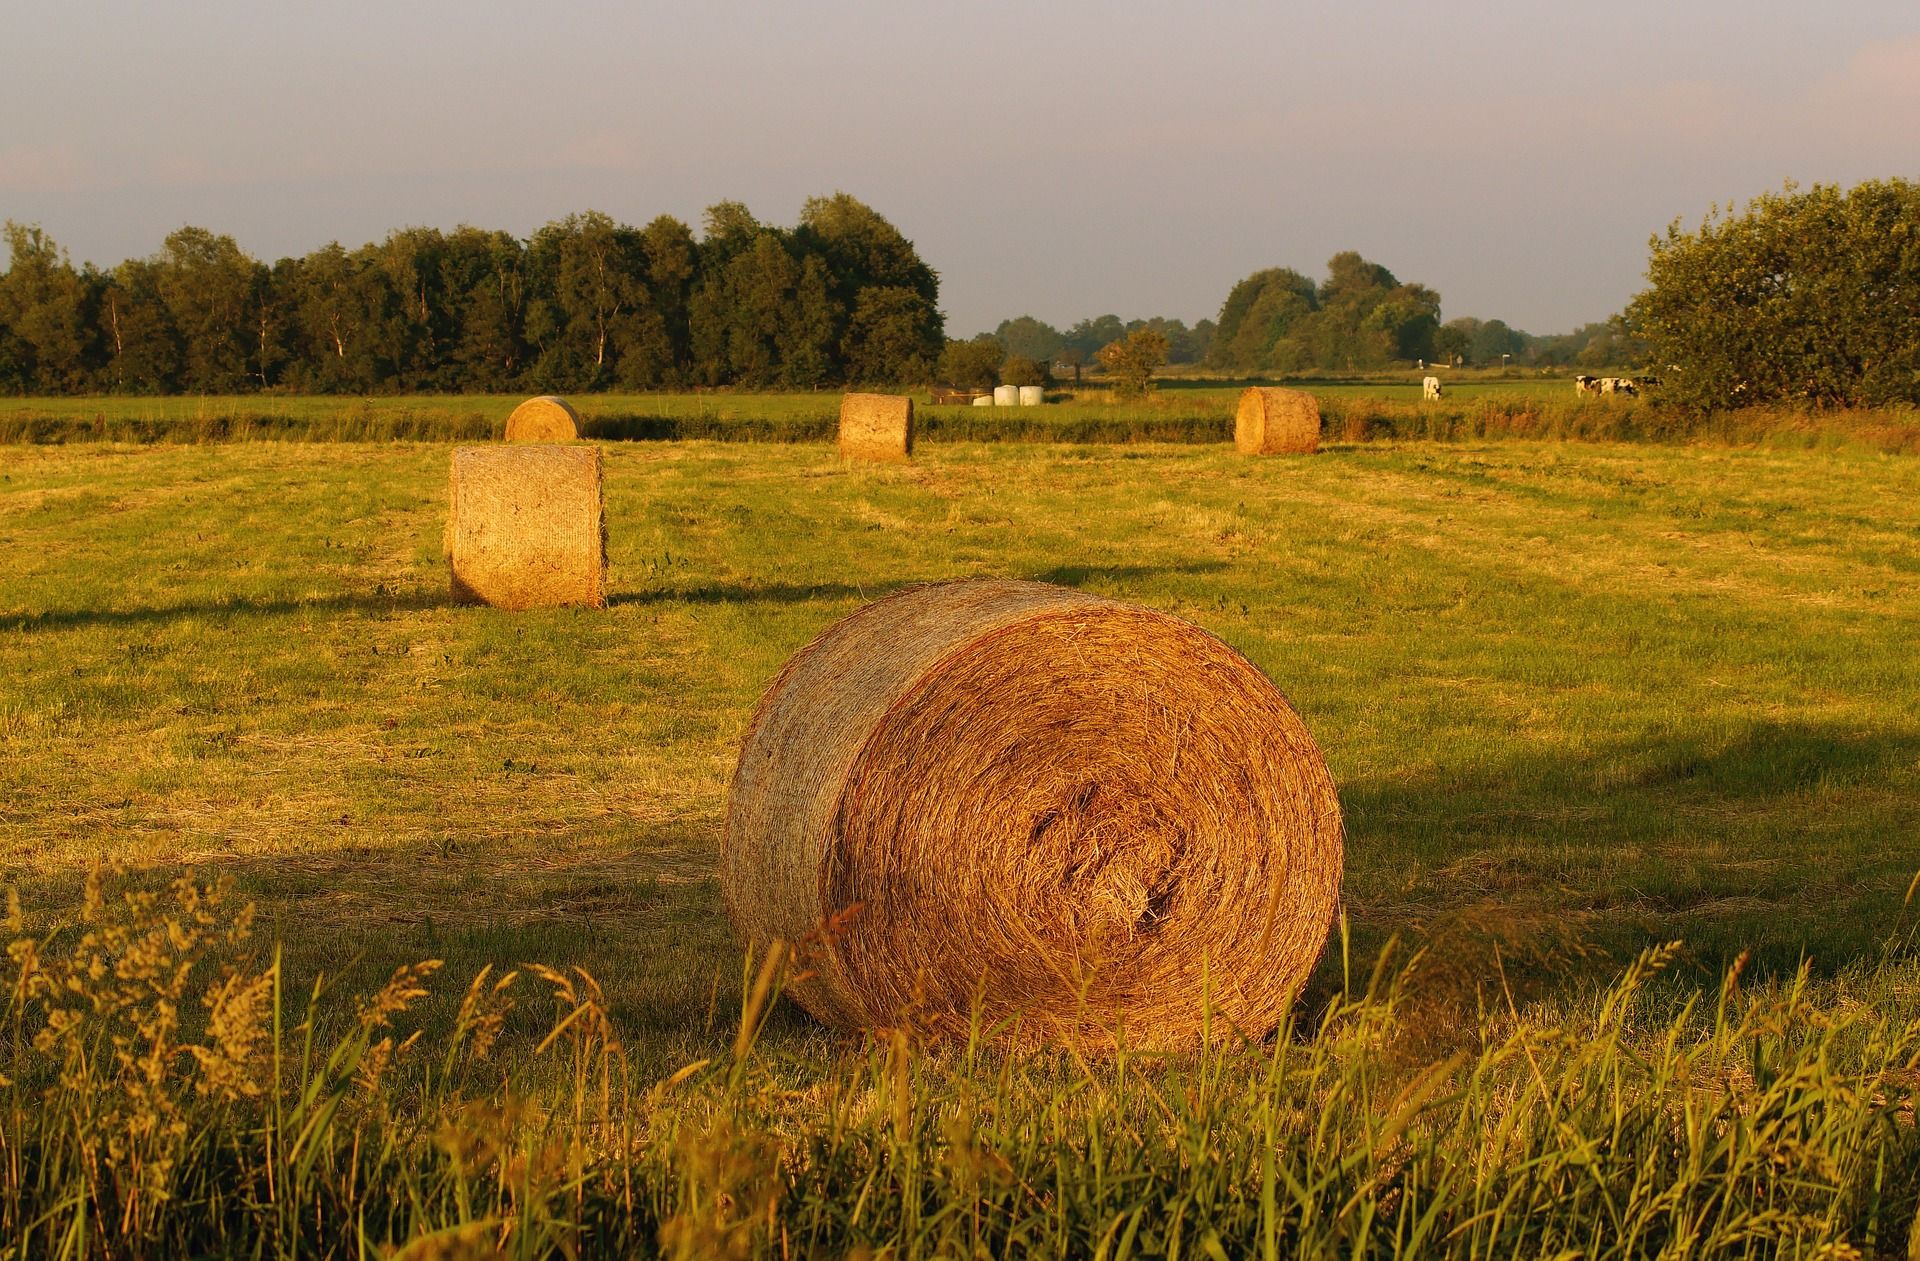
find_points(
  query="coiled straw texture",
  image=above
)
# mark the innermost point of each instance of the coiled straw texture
(1016, 802)
(1273, 421)
(548, 418)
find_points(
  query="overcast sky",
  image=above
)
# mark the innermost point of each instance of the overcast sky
(1062, 160)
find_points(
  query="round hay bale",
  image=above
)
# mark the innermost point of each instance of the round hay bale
(526, 527)
(1095, 818)
(876, 427)
(1276, 422)
(548, 418)
(1006, 396)
(1032, 395)
(983, 400)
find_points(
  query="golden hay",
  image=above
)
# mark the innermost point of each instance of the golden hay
(548, 418)
(1087, 815)
(1276, 422)
(525, 529)
(876, 427)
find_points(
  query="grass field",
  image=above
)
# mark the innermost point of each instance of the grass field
(1185, 411)
(1581, 701)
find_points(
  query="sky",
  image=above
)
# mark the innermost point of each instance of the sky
(1061, 160)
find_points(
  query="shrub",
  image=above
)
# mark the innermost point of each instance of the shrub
(1805, 296)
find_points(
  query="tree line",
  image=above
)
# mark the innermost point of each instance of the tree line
(1278, 321)
(585, 303)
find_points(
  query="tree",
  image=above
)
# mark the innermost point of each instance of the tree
(862, 250)
(1089, 336)
(486, 281)
(1452, 340)
(1020, 370)
(973, 364)
(586, 303)
(209, 287)
(1259, 313)
(1030, 338)
(1809, 296)
(44, 308)
(1132, 360)
(889, 334)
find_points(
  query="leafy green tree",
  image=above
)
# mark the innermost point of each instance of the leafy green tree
(1260, 312)
(142, 345)
(586, 303)
(1020, 370)
(1133, 359)
(591, 273)
(1492, 340)
(888, 335)
(210, 290)
(44, 308)
(810, 329)
(336, 300)
(862, 250)
(673, 261)
(973, 364)
(1452, 340)
(1090, 335)
(1807, 296)
(1029, 338)
(486, 284)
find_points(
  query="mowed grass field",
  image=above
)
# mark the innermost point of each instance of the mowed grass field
(1580, 701)
(1577, 699)
(1174, 395)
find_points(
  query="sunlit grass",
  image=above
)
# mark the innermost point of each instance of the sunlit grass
(1581, 701)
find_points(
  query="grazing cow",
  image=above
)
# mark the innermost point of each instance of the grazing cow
(1430, 388)
(1584, 384)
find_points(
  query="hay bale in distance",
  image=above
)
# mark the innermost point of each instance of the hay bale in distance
(548, 418)
(876, 427)
(984, 400)
(526, 528)
(1035, 796)
(1006, 396)
(1276, 422)
(1032, 395)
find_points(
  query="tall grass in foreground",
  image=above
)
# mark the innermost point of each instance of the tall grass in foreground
(166, 1095)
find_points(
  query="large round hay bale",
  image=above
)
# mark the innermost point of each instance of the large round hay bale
(548, 418)
(983, 400)
(1032, 395)
(1273, 421)
(1094, 818)
(1006, 396)
(876, 427)
(526, 527)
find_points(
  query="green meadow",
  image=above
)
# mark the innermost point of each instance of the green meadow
(1583, 702)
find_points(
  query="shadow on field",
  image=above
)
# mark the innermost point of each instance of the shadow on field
(67, 619)
(1783, 842)
(781, 593)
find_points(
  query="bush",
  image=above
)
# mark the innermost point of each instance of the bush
(1132, 360)
(1802, 297)
(973, 365)
(1020, 370)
